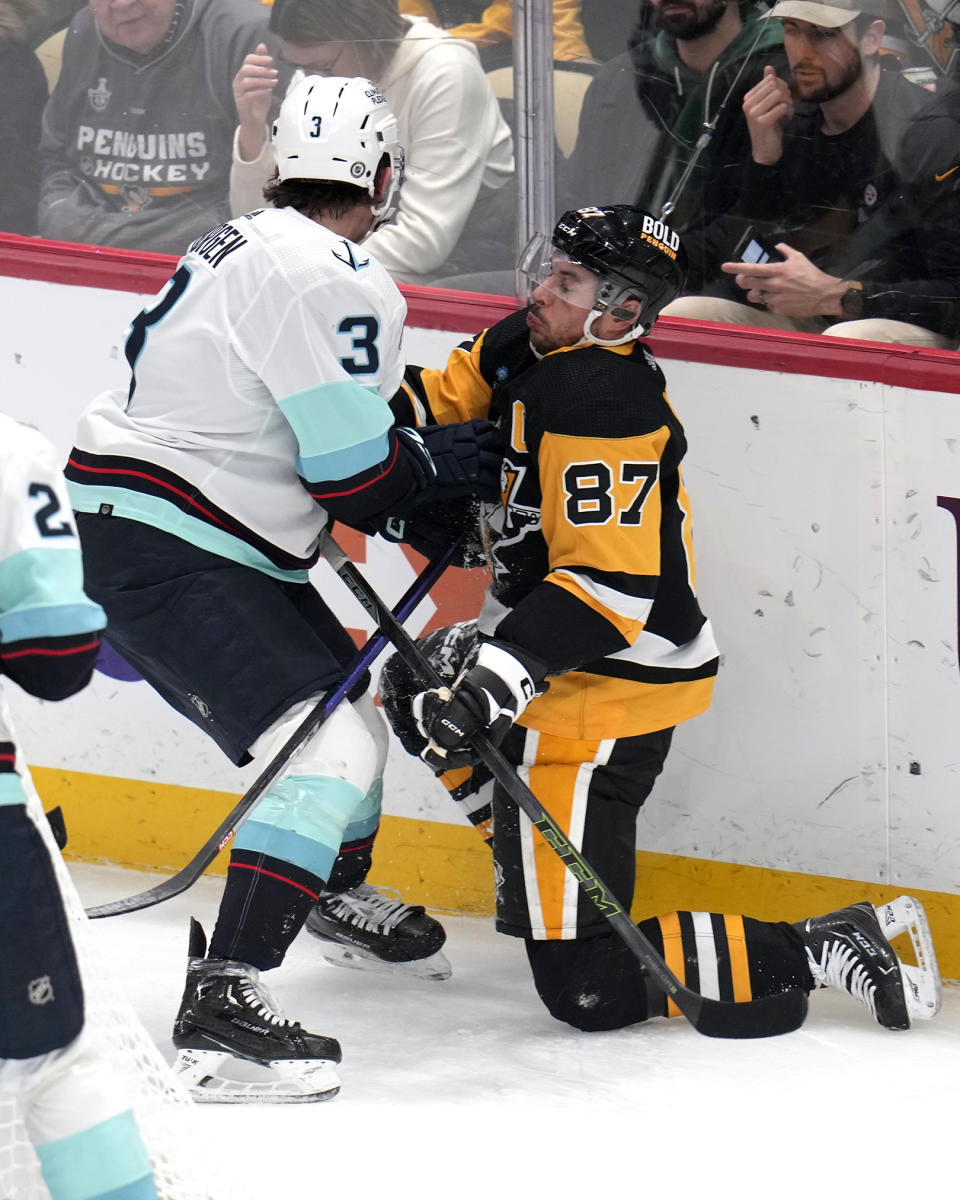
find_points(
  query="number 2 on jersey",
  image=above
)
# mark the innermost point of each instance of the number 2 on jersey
(44, 515)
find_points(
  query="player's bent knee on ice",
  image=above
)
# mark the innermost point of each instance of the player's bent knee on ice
(592, 984)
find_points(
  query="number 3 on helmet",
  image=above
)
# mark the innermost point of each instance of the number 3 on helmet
(336, 129)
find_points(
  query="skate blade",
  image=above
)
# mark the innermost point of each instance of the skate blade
(435, 966)
(218, 1077)
(921, 983)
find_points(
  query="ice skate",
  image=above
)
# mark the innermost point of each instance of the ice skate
(234, 1044)
(371, 930)
(850, 951)
(921, 982)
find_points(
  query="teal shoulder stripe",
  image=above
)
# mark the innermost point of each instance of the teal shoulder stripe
(341, 464)
(42, 590)
(161, 514)
(11, 789)
(108, 1159)
(336, 416)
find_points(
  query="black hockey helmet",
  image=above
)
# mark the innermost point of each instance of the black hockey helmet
(635, 254)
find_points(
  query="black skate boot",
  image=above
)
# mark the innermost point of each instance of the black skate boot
(236, 1046)
(373, 931)
(847, 950)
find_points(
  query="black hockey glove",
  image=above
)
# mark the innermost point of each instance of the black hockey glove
(430, 528)
(451, 651)
(418, 457)
(466, 457)
(488, 699)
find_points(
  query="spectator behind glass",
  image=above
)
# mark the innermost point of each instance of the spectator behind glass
(23, 93)
(136, 137)
(825, 189)
(452, 212)
(645, 110)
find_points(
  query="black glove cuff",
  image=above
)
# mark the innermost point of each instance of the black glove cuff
(534, 666)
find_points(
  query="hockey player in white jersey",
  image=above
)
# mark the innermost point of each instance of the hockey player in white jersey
(83, 1130)
(258, 408)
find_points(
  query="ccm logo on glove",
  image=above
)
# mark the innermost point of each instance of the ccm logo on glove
(486, 699)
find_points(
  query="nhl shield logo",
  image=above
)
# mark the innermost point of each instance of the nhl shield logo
(99, 96)
(40, 991)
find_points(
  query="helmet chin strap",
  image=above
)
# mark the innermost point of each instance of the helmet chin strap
(383, 203)
(635, 331)
(607, 299)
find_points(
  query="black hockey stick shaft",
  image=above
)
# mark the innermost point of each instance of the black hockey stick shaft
(763, 1017)
(189, 874)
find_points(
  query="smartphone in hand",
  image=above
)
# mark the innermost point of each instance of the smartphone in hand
(753, 249)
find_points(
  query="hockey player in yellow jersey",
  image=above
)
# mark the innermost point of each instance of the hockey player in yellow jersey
(591, 645)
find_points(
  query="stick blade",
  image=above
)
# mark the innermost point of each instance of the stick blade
(767, 1016)
(156, 895)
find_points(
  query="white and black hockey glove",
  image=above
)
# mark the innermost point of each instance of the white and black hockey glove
(466, 457)
(486, 699)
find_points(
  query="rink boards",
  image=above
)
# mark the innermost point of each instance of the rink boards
(826, 515)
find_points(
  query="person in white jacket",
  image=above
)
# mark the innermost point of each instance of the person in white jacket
(459, 148)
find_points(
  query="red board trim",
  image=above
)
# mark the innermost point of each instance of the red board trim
(466, 312)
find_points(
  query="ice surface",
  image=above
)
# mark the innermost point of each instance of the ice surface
(468, 1088)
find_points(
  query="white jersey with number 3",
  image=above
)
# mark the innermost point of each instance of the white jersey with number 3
(267, 361)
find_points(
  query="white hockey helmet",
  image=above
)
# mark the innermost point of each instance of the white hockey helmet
(339, 129)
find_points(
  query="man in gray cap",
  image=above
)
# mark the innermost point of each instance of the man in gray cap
(830, 225)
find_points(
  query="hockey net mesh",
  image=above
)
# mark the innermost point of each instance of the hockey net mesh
(164, 1111)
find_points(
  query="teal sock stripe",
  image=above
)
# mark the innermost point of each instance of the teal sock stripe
(367, 818)
(12, 789)
(302, 820)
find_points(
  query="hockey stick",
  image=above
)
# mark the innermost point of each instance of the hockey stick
(188, 875)
(763, 1017)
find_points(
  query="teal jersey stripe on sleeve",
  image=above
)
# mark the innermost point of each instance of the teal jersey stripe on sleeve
(341, 464)
(43, 595)
(107, 1160)
(337, 417)
(57, 620)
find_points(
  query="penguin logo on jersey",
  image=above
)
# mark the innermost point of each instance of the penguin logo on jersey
(40, 991)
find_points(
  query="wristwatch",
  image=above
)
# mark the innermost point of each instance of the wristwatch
(851, 302)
